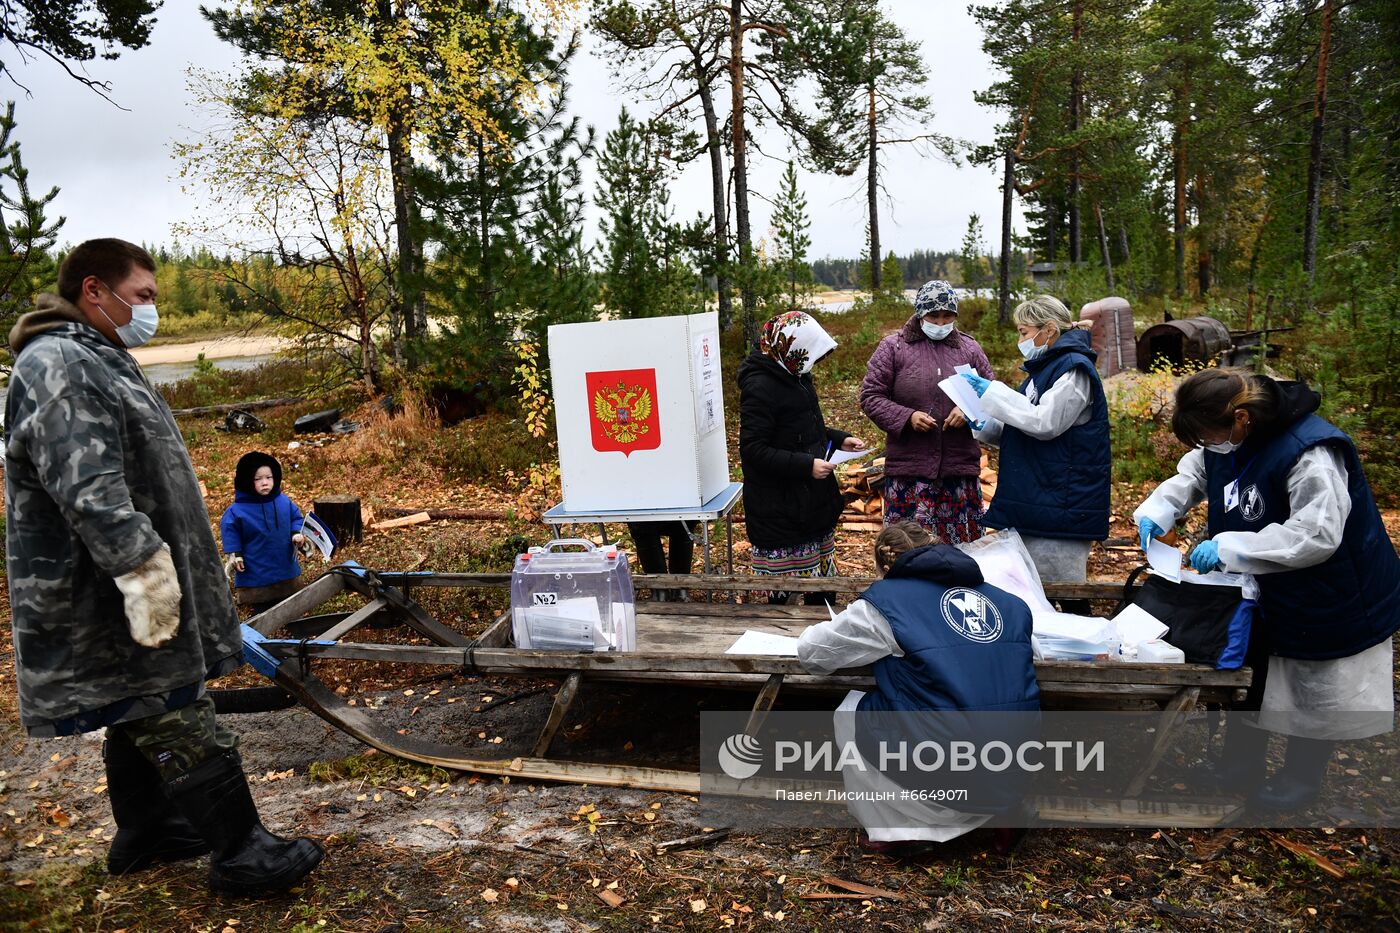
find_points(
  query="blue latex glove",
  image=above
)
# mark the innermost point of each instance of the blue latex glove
(1147, 530)
(979, 385)
(979, 425)
(1205, 557)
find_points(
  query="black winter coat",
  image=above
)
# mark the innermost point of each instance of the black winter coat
(781, 432)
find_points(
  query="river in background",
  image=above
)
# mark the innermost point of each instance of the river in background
(166, 373)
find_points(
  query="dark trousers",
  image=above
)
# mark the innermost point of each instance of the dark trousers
(177, 741)
(647, 537)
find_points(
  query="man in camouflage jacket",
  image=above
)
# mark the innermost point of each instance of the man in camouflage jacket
(120, 610)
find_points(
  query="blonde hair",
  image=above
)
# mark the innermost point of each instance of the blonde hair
(1043, 310)
(895, 539)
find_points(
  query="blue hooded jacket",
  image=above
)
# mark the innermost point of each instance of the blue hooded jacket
(260, 528)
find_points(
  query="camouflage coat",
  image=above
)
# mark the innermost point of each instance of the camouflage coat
(96, 477)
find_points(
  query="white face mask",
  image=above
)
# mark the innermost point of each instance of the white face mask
(936, 331)
(142, 326)
(1227, 446)
(1029, 350)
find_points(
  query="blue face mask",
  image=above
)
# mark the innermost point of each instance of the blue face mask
(1029, 350)
(142, 326)
(936, 331)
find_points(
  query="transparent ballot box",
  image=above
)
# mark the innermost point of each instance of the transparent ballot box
(573, 600)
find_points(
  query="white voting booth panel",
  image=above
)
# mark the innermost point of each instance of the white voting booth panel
(640, 409)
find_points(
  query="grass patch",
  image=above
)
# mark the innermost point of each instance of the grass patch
(376, 770)
(53, 899)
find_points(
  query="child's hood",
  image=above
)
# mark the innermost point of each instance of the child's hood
(248, 466)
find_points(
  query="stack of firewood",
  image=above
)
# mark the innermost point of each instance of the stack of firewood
(862, 483)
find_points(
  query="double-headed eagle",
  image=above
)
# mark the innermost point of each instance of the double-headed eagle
(623, 411)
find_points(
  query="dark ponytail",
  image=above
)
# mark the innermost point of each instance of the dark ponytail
(1208, 400)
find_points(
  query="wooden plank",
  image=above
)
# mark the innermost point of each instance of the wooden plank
(417, 518)
(227, 407)
(568, 690)
(304, 602)
(355, 619)
(763, 703)
(1166, 728)
(1151, 813)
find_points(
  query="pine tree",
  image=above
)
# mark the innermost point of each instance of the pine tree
(974, 276)
(26, 235)
(791, 224)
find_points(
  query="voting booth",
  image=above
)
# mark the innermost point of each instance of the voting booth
(640, 412)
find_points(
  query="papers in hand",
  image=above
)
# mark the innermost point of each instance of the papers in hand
(965, 397)
(841, 456)
(318, 535)
(752, 642)
(1136, 626)
(1164, 559)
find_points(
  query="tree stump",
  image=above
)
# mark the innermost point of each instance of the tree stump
(341, 515)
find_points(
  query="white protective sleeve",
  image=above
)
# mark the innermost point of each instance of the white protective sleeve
(859, 635)
(1178, 495)
(1064, 404)
(1319, 506)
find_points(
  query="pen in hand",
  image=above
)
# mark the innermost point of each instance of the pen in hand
(829, 445)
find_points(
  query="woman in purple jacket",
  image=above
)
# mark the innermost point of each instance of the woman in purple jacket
(932, 461)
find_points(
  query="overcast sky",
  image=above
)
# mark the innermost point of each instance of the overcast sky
(117, 175)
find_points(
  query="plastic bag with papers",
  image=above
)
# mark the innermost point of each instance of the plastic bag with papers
(1062, 636)
(1007, 565)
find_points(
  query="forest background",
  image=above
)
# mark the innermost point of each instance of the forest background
(400, 187)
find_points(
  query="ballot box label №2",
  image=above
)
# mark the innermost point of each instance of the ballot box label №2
(623, 411)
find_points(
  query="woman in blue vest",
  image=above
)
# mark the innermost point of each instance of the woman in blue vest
(1287, 500)
(1053, 481)
(941, 640)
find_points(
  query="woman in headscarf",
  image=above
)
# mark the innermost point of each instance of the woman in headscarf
(932, 461)
(791, 500)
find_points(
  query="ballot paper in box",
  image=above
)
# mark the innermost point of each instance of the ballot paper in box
(640, 411)
(572, 600)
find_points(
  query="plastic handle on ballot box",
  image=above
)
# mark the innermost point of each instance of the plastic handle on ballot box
(564, 542)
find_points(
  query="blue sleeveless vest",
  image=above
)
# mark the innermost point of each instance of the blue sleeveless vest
(966, 650)
(1340, 607)
(1058, 488)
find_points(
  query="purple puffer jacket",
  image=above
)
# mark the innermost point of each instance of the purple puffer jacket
(902, 377)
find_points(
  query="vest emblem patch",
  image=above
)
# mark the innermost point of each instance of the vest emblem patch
(970, 614)
(1251, 503)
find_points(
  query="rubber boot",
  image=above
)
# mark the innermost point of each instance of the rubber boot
(247, 859)
(148, 830)
(1241, 765)
(1298, 783)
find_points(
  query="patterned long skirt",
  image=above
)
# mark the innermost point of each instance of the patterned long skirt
(814, 559)
(950, 508)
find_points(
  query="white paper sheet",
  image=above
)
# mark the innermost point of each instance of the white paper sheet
(965, 397)
(752, 642)
(839, 457)
(1164, 559)
(964, 368)
(1136, 626)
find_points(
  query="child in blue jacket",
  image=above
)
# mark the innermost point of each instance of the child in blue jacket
(260, 532)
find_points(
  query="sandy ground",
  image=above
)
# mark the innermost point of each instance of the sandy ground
(213, 349)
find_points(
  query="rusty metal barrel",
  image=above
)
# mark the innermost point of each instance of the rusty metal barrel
(1197, 341)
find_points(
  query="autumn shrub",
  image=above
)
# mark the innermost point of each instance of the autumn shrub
(488, 448)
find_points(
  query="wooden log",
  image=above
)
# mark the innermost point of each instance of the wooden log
(341, 514)
(456, 515)
(227, 407)
(417, 518)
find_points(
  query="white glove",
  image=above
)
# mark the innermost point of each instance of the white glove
(152, 594)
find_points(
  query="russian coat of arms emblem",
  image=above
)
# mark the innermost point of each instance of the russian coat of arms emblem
(623, 413)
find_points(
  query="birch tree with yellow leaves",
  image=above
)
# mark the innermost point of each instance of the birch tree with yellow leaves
(406, 71)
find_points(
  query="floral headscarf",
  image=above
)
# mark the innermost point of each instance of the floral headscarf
(796, 341)
(936, 295)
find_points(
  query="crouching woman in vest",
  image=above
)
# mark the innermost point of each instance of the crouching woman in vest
(943, 642)
(1053, 482)
(1287, 501)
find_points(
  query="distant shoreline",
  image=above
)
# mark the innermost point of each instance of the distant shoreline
(213, 348)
